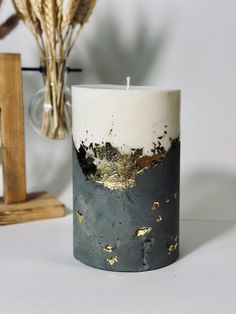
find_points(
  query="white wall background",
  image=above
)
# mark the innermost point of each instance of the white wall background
(173, 43)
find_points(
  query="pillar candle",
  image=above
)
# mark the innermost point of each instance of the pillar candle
(126, 157)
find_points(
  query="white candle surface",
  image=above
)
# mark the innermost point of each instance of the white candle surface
(128, 118)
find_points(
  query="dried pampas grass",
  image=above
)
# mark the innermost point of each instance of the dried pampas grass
(84, 11)
(7, 26)
(55, 28)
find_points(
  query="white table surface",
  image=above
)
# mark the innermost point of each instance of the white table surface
(38, 274)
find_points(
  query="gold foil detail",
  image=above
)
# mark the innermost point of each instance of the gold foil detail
(108, 166)
(80, 216)
(140, 232)
(108, 248)
(159, 219)
(155, 205)
(172, 248)
(167, 201)
(112, 260)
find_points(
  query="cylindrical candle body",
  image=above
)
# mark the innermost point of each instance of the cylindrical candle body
(126, 160)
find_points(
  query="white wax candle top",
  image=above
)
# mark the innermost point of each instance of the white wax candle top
(121, 88)
(128, 119)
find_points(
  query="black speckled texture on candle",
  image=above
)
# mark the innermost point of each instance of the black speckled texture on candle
(130, 230)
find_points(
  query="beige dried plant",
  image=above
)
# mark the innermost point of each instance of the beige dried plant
(56, 27)
(8, 25)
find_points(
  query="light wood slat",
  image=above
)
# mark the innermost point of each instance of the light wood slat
(12, 128)
(38, 206)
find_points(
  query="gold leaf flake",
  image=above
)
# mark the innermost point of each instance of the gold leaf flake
(167, 200)
(112, 260)
(108, 166)
(172, 248)
(108, 248)
(155, 205)
(80, 216)
(159, 219)
(176, 195)
(140, 232)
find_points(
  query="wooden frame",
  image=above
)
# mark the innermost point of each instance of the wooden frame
(17, 206)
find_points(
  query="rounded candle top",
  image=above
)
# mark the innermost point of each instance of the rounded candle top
(107, 87)
(128, 118)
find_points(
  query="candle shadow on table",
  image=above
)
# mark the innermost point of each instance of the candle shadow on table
(209, 209)
(110, 57)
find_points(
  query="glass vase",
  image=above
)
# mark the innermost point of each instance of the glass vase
(50, 108)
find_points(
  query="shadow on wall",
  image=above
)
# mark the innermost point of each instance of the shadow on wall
(208, 197)
(111, 57)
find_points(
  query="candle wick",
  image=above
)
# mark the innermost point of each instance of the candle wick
(128, 83)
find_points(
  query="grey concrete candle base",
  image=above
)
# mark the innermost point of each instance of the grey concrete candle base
(130, 230)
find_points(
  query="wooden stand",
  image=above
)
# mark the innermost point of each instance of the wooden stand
(17, 206)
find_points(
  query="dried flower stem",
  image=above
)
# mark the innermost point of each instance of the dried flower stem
(55, 31)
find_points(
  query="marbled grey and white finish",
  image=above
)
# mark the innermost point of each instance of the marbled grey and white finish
(112, 218)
